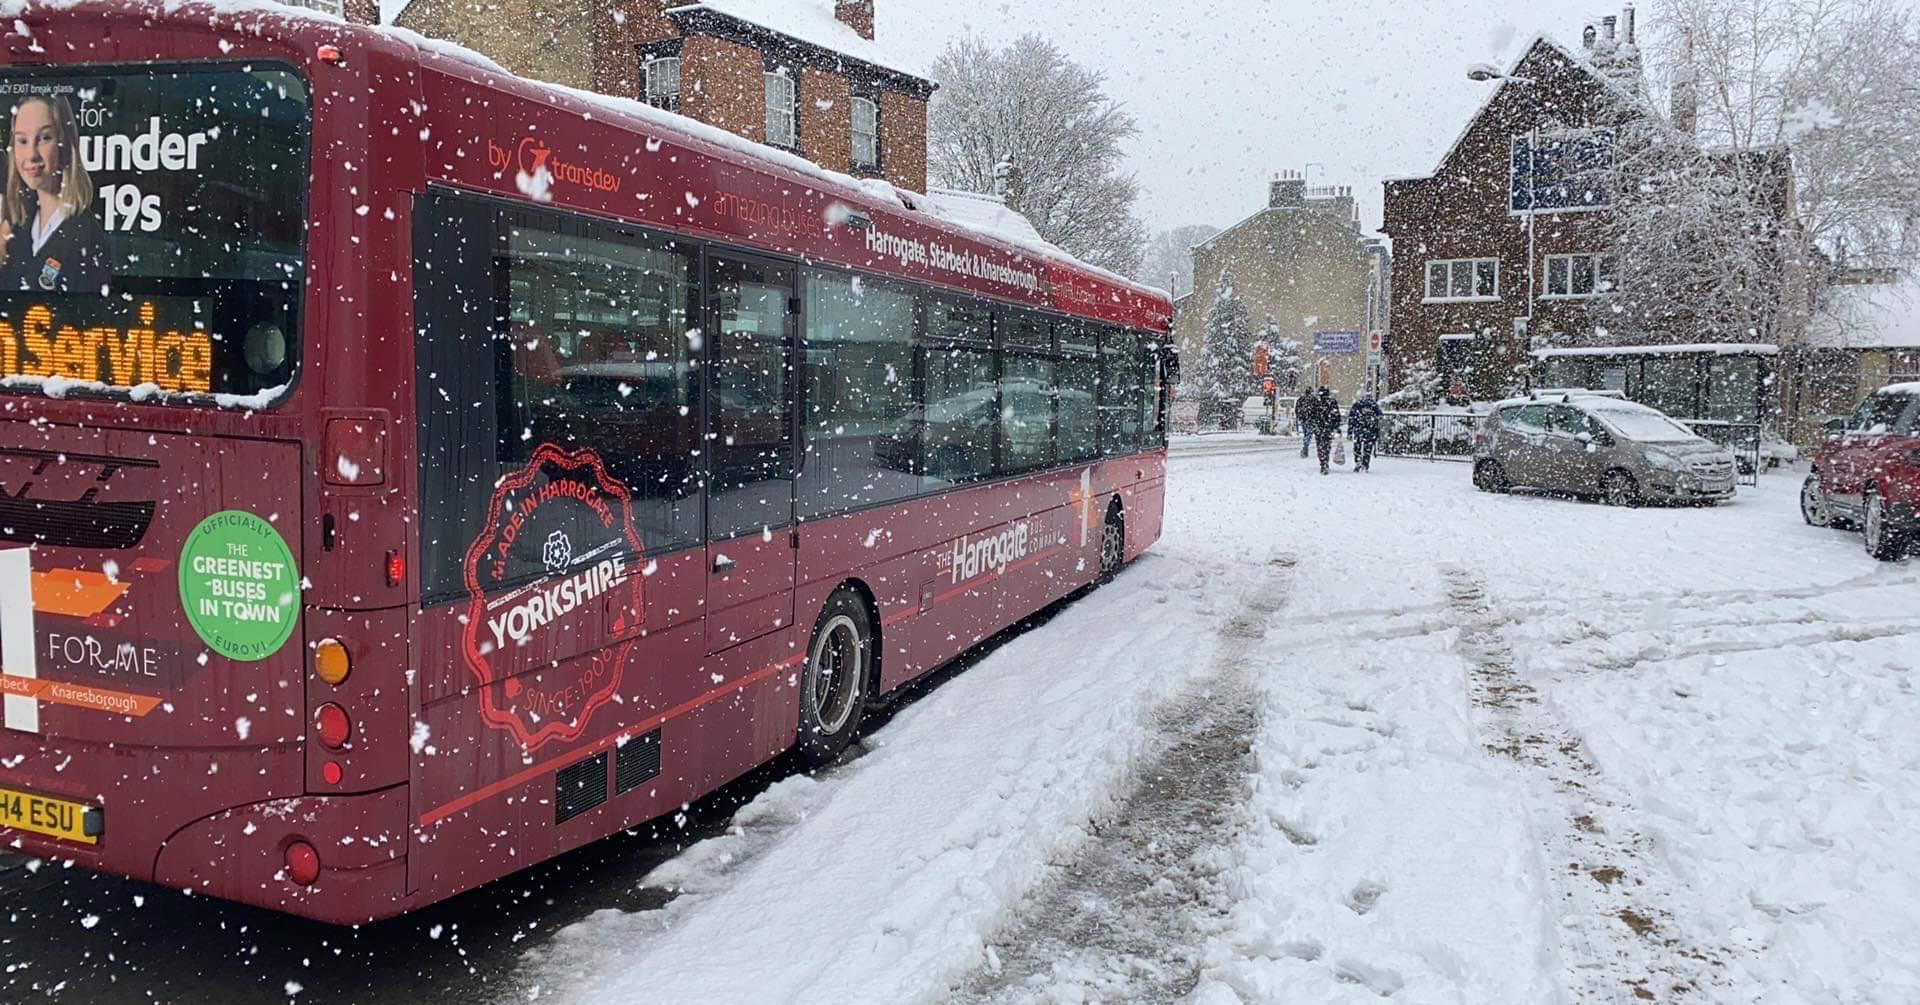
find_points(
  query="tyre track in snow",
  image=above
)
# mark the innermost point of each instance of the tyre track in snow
(1127, 918)
(1620, 939)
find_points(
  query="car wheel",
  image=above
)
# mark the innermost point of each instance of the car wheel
(833, 685)
(1113, 544)
(1489, 476)
(1813, 503)
(1619, 489)
(1885, 539)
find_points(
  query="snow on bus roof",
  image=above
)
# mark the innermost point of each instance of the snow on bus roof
(809, 21)
(944, 211)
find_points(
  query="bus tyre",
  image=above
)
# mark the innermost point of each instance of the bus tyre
(835, 678)
(1113, 544)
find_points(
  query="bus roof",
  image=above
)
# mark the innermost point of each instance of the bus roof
(1058, 280)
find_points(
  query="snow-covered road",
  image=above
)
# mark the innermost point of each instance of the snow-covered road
(1448, 747)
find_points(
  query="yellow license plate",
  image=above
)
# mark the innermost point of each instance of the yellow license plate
(52, 817)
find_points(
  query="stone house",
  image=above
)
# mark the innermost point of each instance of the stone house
(1865, 336)
(1302, 266)
(803, 75)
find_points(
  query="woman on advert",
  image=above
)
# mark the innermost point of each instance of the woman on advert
(50, 238)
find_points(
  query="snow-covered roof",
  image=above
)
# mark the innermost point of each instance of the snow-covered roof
(1869, 316)
(1513, 78)
(812, 22)
(1690, 349)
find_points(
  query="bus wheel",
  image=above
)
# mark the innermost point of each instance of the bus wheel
(833, 687)
(1113, 544)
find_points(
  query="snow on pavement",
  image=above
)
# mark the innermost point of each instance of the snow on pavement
(1506, 749)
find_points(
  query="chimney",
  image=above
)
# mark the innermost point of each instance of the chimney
(1684, 111)
(855, 14)
(1587, 38)
(1288, 191)
(1606, 27)
(1629, 18)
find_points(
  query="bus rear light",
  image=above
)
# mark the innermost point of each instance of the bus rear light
(303, 863)
(332, 772)
(334, 725)
(396, 568)
(330, 661)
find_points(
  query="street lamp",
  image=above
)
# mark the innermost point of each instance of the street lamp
(1482, 73)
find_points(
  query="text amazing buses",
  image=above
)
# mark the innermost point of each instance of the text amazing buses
(174, 361)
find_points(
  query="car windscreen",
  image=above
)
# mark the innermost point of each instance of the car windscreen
(154, 230)
(1644, 425)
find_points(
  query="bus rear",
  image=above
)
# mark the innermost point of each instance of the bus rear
(153, 630)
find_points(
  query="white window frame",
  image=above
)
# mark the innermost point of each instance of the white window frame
(655, 96)
(1454, 266)
(866, 141)
(783, 124)
(1594, 260)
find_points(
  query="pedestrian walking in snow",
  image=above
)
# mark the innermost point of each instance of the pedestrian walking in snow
(1326, 424)
(1303, 418)
(1363, 424)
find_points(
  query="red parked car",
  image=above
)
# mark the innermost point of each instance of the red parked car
(1869, 475)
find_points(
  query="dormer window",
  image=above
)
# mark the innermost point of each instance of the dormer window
(663, 83)
(866, 134)
(780, 111)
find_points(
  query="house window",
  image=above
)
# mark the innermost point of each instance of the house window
(866, 133)
(1560, 171)
(1581, 275)
(663, 83)
(1463, 279)
(780, 111)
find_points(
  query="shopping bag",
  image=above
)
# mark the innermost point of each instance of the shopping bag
(1340, 450)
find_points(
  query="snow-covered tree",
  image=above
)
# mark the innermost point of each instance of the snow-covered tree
(1167, 260)
(1030, 106)
(1835, 81)
(1701, 240)
(1224, 371)
(1420, 388)
(1285, 361)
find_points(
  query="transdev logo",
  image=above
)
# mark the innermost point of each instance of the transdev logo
(562, 529)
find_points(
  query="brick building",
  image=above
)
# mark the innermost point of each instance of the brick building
(802, 75)
(1304, 268)
(1502, 253)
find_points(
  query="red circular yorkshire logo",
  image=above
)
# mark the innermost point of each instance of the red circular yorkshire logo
(551, 578)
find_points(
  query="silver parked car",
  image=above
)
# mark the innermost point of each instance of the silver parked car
(1592, 445)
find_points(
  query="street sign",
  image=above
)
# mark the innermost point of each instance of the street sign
(1336, 341)
(1373, 342)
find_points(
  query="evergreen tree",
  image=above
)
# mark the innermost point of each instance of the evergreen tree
(1225, 372)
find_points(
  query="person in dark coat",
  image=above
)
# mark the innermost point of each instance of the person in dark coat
(49, 235)
(1303, 417)
(1326, 423)
(1363, 424)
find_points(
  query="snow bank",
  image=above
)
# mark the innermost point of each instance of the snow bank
(885, 876)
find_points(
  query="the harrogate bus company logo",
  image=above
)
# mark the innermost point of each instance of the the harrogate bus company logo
(558, 550)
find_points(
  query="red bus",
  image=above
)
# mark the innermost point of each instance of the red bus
(410, 472)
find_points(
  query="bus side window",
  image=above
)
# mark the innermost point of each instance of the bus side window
(534, 328)
(1120, 391)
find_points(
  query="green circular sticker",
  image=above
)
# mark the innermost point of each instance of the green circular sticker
(239, 586)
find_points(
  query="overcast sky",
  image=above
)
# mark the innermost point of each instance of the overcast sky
(1227, 92)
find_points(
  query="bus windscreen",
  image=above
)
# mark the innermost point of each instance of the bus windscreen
(153, 231)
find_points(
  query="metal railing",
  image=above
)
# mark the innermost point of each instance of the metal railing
(1436, 436)
(1741, 438)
